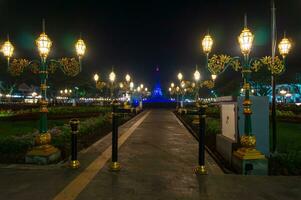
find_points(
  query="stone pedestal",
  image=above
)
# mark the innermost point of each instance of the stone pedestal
(43, 155)
(250, 166)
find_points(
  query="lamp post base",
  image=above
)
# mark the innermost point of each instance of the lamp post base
(115, 167)
(244, 153)
(43, 155)
(201, 170)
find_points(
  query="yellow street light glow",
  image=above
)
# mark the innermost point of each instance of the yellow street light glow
(70, 91)
(44, 44)
(213, 76)
(66, 91)
(141, 86)
(207, 43)
(284, 46)
(172, 85)
(197, 75)
(180, 76)
(127, 78)
(80, 48)
(169, 89)
(177, 88)
(61, 91)
(96, 77)
(112, 76)
(131, 85)
(138, 88)
(121, 85)
(145, 89)
(245, 40)
(182, 84)
(7, 49)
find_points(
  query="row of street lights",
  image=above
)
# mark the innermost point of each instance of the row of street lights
(127, 86)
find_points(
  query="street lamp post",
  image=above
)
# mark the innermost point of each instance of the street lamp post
(183, 85)
(218, 63)
(180, 78)
(43, 152)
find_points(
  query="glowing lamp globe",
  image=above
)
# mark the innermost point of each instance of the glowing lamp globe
(96, 77)
(131, 85)
(182, 84)
(172, 85)
(180, 76)
(44, 44)
(197, 75)
(112, 76)
(245, 40)
(127, 78)
(284, 46)
(7, 49)
(213, 76)
(207, 43)
(80, 48)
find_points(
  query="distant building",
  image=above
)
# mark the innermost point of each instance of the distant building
(285, 93)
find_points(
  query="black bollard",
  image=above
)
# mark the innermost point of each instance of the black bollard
(115, 166)
(74, 163)
(201, 169)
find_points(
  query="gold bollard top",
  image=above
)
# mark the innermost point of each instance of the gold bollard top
(74, 124)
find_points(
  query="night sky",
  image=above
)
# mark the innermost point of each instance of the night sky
(136, 36)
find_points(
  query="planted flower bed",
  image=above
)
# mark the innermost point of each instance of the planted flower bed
(13, 147)
(54, 113)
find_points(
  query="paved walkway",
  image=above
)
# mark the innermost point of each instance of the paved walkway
(158, 156)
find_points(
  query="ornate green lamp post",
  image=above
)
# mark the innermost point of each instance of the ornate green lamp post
(174, 90)
(126, 87)
(44, 152)
(180, 78)
(246, 65)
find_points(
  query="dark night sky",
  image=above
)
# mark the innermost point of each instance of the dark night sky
(135, 36)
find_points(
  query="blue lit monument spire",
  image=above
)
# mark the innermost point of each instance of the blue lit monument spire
(157, 92)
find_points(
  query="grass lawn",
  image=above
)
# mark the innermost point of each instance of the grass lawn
(19, 128)
(289, 136)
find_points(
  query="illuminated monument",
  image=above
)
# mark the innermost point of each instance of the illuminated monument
(157, 94)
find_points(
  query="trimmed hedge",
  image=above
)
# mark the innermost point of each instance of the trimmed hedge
(54, 112)
(13, 149)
